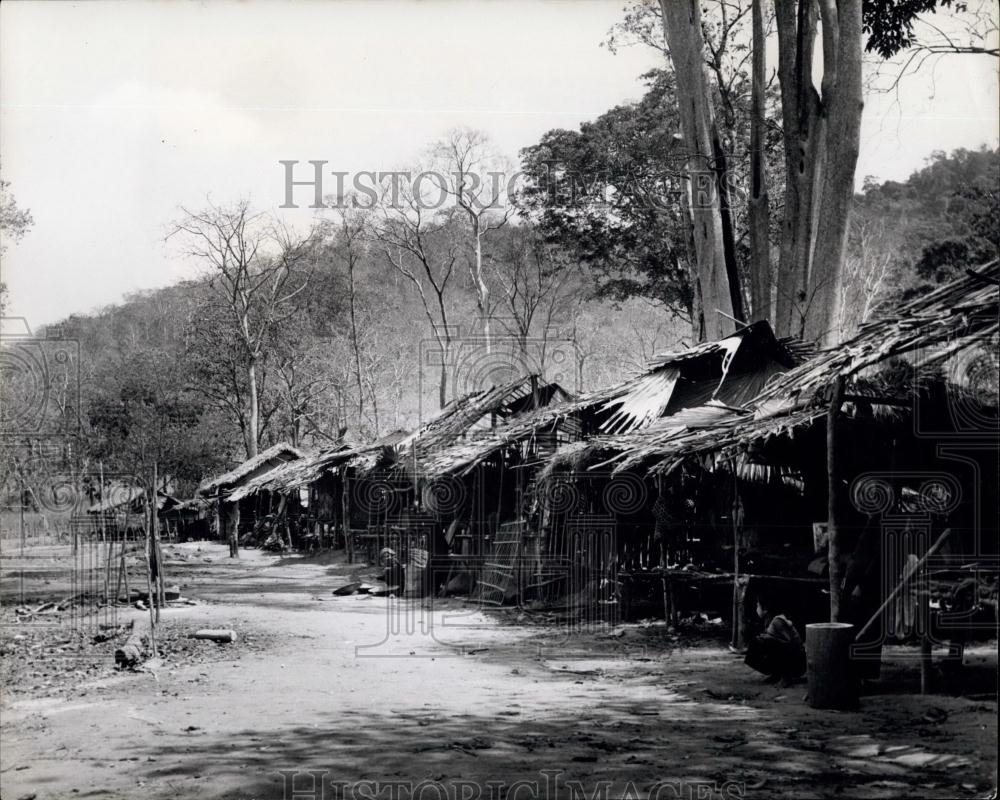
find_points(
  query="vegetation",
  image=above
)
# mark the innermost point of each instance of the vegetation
(660, 223)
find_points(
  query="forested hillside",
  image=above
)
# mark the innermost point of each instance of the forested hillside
(349, 354)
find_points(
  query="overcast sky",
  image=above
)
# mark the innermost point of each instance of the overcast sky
(114, 114)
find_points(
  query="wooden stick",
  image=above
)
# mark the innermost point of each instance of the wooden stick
(833, 498)
(157, 550)
(104, 539)
(902, 583)
(737, 639)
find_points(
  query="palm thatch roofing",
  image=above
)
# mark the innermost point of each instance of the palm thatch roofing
(455, 420)
(295, 474)
(728, 372)
(459, 417)
(763, 402)
(274, 455)
(958, 315)
(952, 317)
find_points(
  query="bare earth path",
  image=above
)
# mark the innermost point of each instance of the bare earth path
(468, 706)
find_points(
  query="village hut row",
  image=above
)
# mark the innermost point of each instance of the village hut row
(724, 466)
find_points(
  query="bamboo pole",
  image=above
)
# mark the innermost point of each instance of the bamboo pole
(104, 536)
(158, 551)
(737, 607)
(833, 497)
(149, 586)
(899, 586)
(345, 513)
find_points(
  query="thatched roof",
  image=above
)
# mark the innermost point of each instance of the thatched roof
(955, 316)
(947, 319)
(294, 474)
(118, 497)
(765, 401)
(453, 422)
(459, 417)
(730, 371)
(278, 453)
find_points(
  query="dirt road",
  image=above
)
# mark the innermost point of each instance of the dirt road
(377, 697)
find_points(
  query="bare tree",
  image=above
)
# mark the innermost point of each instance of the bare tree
(535, 284)
(424, 250)
(868, 264)
(257, 267)
(470, 170)
(350, 227)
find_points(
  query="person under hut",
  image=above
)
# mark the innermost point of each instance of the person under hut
(777, 652)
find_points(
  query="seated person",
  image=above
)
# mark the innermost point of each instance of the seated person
(778, 652)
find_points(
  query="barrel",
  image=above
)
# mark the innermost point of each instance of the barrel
(831, 679)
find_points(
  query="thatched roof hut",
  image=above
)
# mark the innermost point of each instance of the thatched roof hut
(960, 315)
(727, 374)
(263, 462)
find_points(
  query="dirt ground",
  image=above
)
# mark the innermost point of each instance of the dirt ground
(365, 697)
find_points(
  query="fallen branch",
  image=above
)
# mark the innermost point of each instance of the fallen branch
(215, 635)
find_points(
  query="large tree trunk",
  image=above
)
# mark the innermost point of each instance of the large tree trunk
(821, 137)
(759, 212)
(682, 26)
(842, 100)
(796, 23)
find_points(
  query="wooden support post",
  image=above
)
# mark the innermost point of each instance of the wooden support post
(833, 497)
(157, 549)
(147, 549)
(737, 640)
(668, 600)
(122, 573)
(345, 515)
(232, 527)
(925, 664)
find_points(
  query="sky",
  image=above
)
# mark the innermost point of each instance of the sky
(115, 114)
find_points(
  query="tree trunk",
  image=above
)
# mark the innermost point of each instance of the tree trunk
(354, 340)
(682, 26)
(843, 103)
(759, 211)
(443, 381)
(482, 292)
(822, 139)
(253, 435)
(796, 23)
